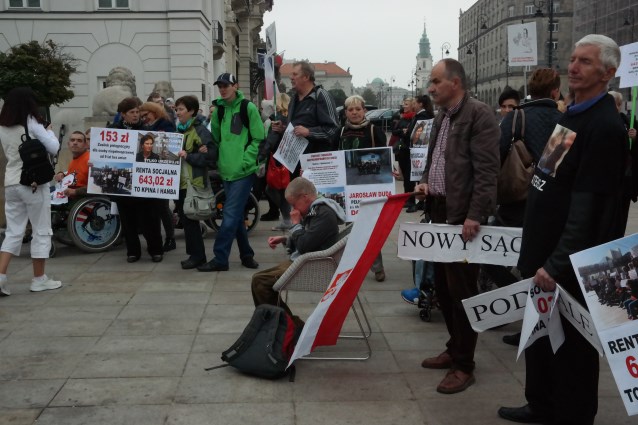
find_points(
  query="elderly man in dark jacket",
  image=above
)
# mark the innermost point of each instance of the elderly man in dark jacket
(312, 110)
(460, 184)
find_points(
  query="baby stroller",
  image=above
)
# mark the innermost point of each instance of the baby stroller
(424, 279)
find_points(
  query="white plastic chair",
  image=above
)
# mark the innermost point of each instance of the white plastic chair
(312, 272)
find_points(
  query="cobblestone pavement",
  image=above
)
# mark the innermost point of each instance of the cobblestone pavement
(127, 344)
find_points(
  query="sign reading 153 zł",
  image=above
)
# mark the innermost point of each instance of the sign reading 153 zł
(134, 163)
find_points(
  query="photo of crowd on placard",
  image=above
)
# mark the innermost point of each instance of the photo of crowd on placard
(368, 166)
(111, 178)
(608, 275)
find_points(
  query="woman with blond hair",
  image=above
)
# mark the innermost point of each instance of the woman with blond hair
(154, 116)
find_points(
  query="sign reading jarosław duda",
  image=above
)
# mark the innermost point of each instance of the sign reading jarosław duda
(444, 243)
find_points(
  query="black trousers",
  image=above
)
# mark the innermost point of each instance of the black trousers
(403, 158)
(192, 233)
(563, 386)
(143, 214)
(453, 282)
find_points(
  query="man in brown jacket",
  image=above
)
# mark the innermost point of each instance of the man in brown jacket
(460, 184)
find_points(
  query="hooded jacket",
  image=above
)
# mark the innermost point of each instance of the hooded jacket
(237, 156)
(318, 230)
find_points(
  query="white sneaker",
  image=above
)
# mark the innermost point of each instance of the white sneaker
(4, 289)
(45, 285)
(284, 225)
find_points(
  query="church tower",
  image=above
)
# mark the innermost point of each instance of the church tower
(423, 63)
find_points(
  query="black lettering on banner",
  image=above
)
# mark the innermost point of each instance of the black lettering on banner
(501, 244)
(486, 239)
(494, 305)
(446, 239)
(632, 392)
(431, 240)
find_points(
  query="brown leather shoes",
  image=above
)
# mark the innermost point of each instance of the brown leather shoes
(455, 382)
(442, 361)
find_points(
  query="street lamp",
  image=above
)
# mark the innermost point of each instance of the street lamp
(505, 60)
(539, 14)
(481, 23)
(627, 23)
(445, 46)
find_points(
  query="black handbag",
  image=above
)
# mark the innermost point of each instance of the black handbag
(36, 165)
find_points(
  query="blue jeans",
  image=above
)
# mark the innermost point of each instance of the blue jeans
(233, 225)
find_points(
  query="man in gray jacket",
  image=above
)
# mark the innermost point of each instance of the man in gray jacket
(315, 222)
(460, 184)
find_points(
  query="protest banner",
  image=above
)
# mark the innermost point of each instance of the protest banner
(368, 235)
(134, 163)
(58, 197)
(351, 176)
(290, 148)
(498, 307)
(444, 243)
(418, 159)
(600, 271)
(522, 46)
(541, 319)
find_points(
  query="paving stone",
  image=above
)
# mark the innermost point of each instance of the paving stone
(169, 298)
(157, 326)
(352, 387)
(233, 414)
(19, 416)
(45, 346)
(130, 365)
(157, 344)
(150, 311)
(41, 328)
(104, 415)
(359, 413)
(230, 386)
(107, 391)
(47, 367)
(28, 393)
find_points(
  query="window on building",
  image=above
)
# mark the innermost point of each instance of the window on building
(112, 4)
(24, 3)
(510, 11)
(530, 9)
(556, 7)
(553, 27)
(554, 45)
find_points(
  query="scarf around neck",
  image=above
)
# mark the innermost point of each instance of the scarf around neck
(362, 124)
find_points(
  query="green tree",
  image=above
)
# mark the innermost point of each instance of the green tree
(43, 67)
(338, 95)
(369, 96)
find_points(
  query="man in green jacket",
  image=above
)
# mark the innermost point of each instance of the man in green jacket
(236, 163)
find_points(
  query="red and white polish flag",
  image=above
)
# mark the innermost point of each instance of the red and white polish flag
(374, 223)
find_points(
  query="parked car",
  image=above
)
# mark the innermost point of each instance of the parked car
(382, 118)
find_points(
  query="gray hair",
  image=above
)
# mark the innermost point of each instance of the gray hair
(609, 50)
(307, 69)
(453, 68)
(300, 186)
(617, 97)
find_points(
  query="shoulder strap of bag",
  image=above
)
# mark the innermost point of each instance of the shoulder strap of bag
(372, 135)
(516, 111)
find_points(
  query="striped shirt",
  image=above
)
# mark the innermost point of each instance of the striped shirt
(436, 176)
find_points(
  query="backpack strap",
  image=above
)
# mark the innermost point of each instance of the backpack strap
(243, 115)
(516, 111)
(372, 135)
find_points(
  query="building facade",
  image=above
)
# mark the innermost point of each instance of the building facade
(327, 74)
(483, 43)
(185, 42)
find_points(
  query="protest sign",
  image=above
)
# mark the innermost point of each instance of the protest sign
(628, 69)
(418, 159)
(522, 47)
(350, 176)
(290, 148)
(444, 243)
(498, 307)
(541, 319)
(58, 197)
(134, 163)
(600, 271)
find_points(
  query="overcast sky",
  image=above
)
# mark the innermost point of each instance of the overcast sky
(374, 38)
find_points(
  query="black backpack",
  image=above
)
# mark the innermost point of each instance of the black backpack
(36, 166)
(265, 346)
(264, 145)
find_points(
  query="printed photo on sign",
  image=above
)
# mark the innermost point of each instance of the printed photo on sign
(608, 279)
(159, 148)
(420, 136)
(337, 194)
(368, 166)
(111, 178)
(555, 150)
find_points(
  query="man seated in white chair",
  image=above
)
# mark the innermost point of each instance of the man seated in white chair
(315, 222)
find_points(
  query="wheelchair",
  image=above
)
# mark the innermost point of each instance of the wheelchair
(251, 210)
(86, 223)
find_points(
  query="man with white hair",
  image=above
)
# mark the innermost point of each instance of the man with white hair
(574, 203)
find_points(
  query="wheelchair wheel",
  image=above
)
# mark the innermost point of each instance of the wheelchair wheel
(425, 314)
(91, 225)
(251, 212)
(53, 250)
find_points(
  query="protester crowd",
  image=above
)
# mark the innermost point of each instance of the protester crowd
(578, 199)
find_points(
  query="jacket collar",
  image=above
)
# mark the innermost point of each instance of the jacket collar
(545, 102)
